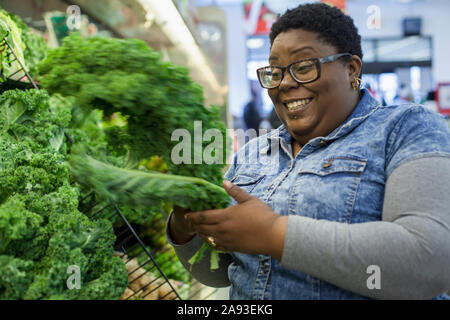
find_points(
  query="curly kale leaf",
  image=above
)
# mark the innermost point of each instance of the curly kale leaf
(79, 241)
(109, 285)
(33, 246)
(24, 171)
(146, 189)
(16, 222)
(16, 276)
(26, 116)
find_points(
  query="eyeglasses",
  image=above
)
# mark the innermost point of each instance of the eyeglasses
(303, 71)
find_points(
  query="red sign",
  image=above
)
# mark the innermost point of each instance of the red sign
(443, 98)
(341, 4)
(265, 19)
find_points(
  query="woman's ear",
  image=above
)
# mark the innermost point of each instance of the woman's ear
(355, 67)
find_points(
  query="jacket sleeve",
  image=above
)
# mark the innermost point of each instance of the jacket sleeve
(409, 249)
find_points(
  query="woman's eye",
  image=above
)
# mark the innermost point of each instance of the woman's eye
(276, 75)
(303, 69)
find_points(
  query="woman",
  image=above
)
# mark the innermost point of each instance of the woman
(354, 205)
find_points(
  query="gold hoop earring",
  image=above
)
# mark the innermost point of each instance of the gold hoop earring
(356, 84)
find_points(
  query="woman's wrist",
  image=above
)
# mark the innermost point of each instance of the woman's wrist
(277, 237)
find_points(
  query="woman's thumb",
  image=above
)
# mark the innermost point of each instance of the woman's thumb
(237, 193)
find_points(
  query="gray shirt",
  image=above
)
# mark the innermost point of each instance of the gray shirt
(412, 241)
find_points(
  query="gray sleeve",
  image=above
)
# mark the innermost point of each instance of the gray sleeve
(410, 247)
(200, 270)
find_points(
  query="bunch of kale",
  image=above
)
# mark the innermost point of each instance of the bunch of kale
(126, 77)
(42, 233)
(154, 96)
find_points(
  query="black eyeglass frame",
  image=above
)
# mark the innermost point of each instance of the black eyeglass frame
(317, 61)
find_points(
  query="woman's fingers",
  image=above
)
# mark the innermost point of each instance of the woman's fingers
(208, 217)
(207, 229)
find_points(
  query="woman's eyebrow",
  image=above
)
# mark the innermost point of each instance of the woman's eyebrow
(301, 49)
(293, 52)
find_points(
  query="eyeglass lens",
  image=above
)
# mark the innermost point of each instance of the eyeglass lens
(303, 71)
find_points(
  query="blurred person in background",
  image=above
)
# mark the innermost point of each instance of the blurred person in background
(355, 205)
(403, 95)
(430, 101)
(251, 113)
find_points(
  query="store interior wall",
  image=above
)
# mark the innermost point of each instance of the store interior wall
(435, 23)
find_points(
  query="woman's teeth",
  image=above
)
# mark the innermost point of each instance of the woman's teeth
(297, 104)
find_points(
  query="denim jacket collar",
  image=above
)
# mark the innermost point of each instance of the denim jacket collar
(366, 106)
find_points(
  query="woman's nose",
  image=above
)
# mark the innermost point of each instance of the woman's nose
(288, 81)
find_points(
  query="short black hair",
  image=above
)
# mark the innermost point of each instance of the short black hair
(332, 25)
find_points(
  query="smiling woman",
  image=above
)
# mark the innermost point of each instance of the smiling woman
(355, 186)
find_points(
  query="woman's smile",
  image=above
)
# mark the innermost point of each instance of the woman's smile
(297, 107)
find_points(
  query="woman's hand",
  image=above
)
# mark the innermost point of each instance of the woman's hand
(250, 226)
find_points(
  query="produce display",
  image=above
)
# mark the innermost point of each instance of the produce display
(145, 286)
(119, 103)
(42, 233)
(154, 98)
(29, 48)
(13, 35)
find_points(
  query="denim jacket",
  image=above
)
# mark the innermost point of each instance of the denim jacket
(340, 177)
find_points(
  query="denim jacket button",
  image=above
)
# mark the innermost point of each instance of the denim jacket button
(328, 164)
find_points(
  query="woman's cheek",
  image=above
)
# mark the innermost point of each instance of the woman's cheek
(272, 95)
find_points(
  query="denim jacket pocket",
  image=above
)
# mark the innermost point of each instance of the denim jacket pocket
(327, 189)
(247, 181)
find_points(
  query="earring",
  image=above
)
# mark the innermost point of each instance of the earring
(356, 83)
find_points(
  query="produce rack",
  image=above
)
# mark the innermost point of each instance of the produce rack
(11, 82)
(147, 280)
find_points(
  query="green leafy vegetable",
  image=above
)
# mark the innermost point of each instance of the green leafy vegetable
(10, 33)
(154, 98)
(30, 48)
(42, 233)
(16, 222)
(146, 189)
(16, 277)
